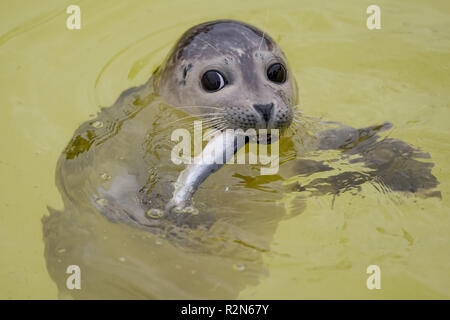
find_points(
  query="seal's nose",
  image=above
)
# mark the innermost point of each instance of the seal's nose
(265, 110)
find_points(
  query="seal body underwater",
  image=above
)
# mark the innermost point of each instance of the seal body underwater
(233, 76)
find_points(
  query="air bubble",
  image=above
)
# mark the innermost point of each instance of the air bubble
(97, 124)
(191, 210)
(101, 202)
(105, 176)
(154, 213)
(239, 267)
(178, 210)
(188, 210)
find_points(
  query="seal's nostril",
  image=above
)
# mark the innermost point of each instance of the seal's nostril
(265, 110)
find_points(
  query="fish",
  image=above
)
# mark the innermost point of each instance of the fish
(219, 150)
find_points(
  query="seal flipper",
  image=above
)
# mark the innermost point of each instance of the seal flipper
(345, 137)
(394, 163)
(397, 165)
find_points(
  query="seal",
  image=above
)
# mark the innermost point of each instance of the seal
(234, 75)
(118, 164)
(233, 68)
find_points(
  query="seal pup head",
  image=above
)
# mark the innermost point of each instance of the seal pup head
(233, 68)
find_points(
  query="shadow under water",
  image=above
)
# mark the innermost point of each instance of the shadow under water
(119, 163)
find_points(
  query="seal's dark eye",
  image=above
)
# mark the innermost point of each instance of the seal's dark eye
(276, 73)
(213, 80)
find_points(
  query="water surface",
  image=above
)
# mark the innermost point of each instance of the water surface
(314, 245)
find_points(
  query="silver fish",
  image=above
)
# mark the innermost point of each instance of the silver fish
(216, 153)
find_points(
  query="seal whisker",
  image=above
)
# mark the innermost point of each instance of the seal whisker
(185, 122)
(193, 117)
(194, 106)
(262, 39)
(264, 33)
(216, 126)
(213, 122)
(168, 124)
(211, 134)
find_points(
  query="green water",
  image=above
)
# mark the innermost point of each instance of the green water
(53, 79)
